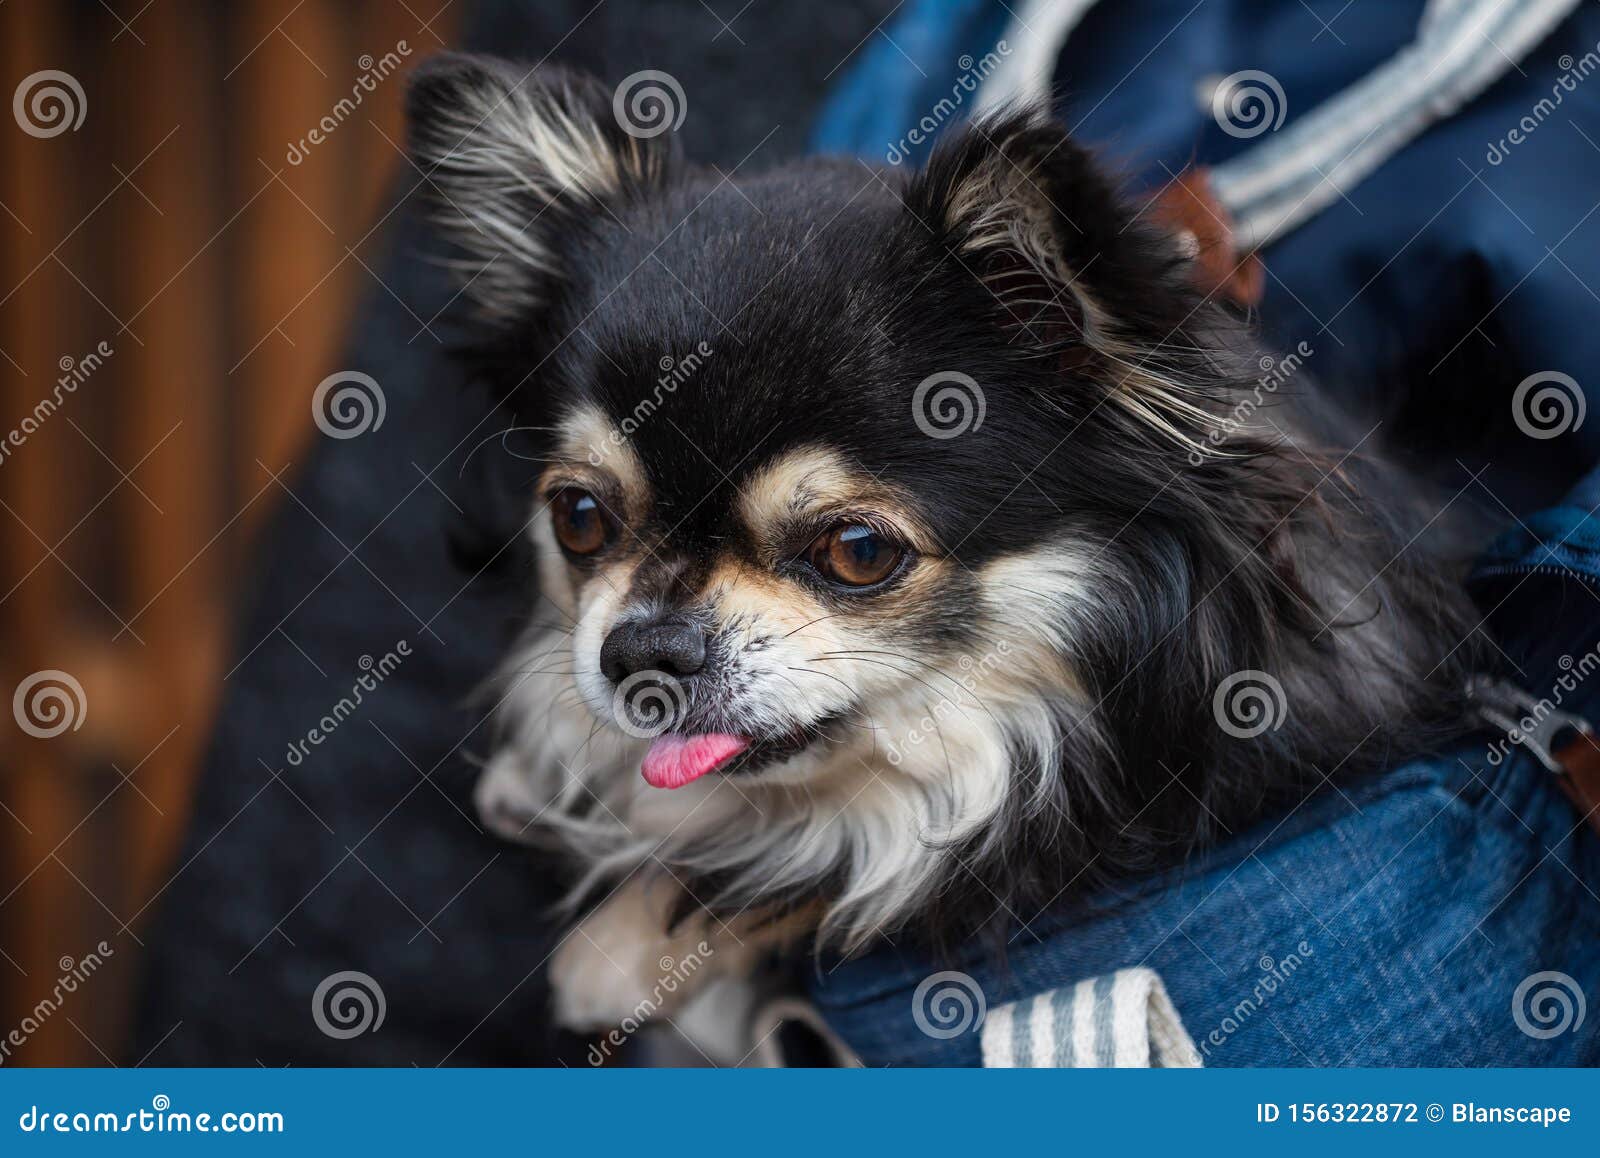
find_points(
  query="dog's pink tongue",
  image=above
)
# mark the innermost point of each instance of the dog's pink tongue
(674, 761)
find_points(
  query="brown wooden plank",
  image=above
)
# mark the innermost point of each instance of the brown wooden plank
(294, 281)
(35, 331)
(172, 278)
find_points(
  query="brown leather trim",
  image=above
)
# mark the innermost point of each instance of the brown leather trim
(1580, 759)
(1191, 210)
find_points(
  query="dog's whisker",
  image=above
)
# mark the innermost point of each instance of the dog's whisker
(858, 658)
(818, 619)
(961, 688)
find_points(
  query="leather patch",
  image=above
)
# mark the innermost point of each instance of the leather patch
(1190, 209)
(1580, 780)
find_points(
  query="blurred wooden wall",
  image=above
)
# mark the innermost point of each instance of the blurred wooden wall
(171, 226)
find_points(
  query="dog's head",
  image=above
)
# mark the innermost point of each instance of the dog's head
(898, 499)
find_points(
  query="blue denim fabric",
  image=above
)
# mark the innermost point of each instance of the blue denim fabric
(1388, 923)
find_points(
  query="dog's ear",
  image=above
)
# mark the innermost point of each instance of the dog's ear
(1031, 213)
(515, 159)
(1074, 270)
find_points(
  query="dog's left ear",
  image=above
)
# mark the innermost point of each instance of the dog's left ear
(1031, 213)
(1076, 273)
(517, 161)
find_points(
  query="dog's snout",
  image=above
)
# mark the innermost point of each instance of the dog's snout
(673, 647)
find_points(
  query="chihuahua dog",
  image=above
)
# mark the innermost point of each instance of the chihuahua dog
(914, 550)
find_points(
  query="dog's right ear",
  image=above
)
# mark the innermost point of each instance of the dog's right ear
(513, 158)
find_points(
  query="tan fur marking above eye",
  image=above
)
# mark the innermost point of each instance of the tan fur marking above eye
(815, 479)
(590, 448)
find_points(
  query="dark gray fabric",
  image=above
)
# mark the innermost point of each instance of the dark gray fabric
(366, 856)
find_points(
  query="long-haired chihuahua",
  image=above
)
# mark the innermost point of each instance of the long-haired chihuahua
(914, 550)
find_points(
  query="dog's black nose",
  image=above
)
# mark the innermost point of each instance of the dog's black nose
(672, 647)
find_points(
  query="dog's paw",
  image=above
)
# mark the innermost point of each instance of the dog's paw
(621, 965)
(594, 987)
(505, 801)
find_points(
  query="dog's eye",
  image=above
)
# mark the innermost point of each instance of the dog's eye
(582, 525)
(854, 555)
